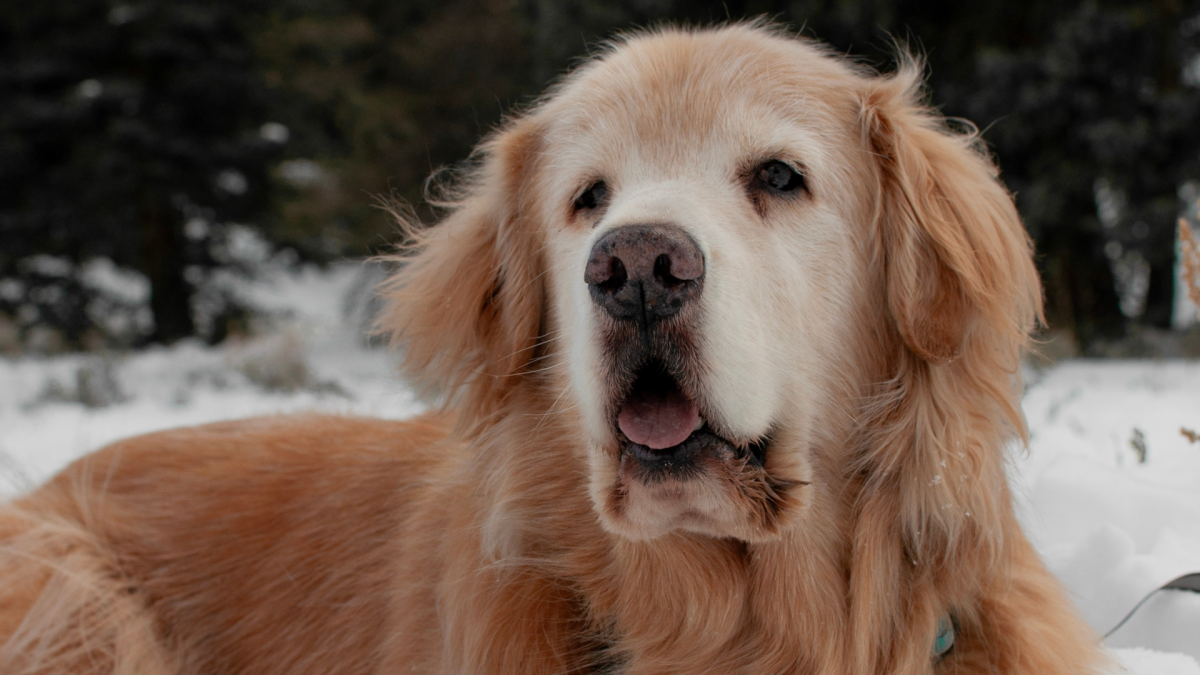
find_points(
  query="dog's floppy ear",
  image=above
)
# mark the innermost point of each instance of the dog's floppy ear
(954, 248)
(465, 306)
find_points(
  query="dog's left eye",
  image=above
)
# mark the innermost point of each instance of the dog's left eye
(592, 197)
(778, 177)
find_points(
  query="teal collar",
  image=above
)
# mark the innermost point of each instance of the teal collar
(944, 640)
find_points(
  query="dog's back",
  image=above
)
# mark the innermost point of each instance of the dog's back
(269, 538)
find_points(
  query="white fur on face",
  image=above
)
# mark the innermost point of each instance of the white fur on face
(780, 280)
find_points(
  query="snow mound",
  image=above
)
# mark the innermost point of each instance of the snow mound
(314, 358)
(1138, 661)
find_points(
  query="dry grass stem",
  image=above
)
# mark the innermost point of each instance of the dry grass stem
(1190, 257)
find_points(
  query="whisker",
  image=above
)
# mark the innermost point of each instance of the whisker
(550, 410)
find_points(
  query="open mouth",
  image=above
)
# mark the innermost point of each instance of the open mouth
(664, 427)
(677, 468)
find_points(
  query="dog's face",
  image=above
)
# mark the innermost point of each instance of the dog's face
(709, 252)
(706, 209)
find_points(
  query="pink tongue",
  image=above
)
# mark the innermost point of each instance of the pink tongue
(658, 419)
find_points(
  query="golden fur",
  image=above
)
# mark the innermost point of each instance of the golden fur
(872, 329)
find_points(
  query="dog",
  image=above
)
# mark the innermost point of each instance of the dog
(727, 329)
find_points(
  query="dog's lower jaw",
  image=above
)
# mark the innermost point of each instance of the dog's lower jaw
(723, 496)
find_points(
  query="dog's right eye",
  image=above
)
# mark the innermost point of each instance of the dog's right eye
(781, 178)
(592, 197)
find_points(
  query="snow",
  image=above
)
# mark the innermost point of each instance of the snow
(1110, 527)
(1139, 661)
(43, 424)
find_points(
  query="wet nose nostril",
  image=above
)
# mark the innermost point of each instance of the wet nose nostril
(666, 272)
(617, 276)
(662, 270)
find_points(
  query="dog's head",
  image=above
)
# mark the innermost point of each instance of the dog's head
(714, 251)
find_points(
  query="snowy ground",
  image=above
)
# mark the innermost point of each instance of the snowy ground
(1111, 527)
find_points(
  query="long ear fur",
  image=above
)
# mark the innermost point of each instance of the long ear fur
(963, 294)
(955, 251)
(465, 307)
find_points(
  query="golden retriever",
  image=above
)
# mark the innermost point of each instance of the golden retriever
(728, 331)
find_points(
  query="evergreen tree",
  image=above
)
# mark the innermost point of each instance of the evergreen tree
(129, 132)
(379, 95)
(122, 124)
(1097, 130)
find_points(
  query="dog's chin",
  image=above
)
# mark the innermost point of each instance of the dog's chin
(704, 485)
(661, 467)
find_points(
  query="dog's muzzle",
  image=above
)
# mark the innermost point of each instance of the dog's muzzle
(644, 278)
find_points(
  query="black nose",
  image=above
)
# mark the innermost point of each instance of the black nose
(644, 273)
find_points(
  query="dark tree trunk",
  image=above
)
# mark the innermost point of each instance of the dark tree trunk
(1080, 295)
(1160, 299)
(163, 260)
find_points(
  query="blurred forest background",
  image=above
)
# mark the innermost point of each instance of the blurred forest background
(152, 153)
